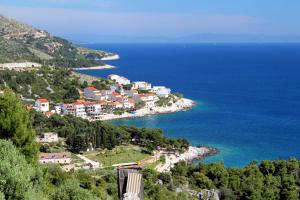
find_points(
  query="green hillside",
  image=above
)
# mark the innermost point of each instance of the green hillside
(20, 42)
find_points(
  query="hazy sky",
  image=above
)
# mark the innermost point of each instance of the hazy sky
(158, 17)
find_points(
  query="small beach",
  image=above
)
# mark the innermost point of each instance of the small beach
(95, 67)
(181, 105)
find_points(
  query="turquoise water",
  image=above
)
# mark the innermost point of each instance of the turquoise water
(248, 95)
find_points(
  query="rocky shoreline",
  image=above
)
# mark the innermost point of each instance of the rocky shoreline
(181, 105)
(197, 156)
(190, 156)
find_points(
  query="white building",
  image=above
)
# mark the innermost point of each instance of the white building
(92, 93)
(93, 107)
(142, 85)
(148, 98)
(48, 137)
(76, 109)
(57, 109)
(119, 79)
(60, 158)
(106, 94)
(129, 104)
(161, 91)
(42, 105)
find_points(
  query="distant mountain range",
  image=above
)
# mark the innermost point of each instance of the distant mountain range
(197, 38)
(20, 42)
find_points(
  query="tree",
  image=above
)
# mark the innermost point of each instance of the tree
(71, 191)
(17, 177)
(15, 124)
(72, 94)
(180, 168)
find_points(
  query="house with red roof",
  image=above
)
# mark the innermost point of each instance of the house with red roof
(42, 105)
(148, 98)
(76, 109)
(92, 93)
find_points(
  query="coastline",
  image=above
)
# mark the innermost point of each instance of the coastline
(181, 105)
(112, 57)
(95, 67)
(191, 155)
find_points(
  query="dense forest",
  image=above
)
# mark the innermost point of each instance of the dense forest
(81, 133)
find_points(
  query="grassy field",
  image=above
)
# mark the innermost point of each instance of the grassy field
(120, 154)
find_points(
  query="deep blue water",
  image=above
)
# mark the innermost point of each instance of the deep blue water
(248, 95)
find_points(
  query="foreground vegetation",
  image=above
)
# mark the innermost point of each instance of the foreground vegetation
(21, 177)
(81, 133)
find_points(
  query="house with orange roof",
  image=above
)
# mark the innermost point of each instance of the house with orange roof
(148, 98)
(94, 108)
(129, 104)
(76, 109)
(93, 93)
(42, 105)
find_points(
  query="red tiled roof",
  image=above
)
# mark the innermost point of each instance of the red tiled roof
(80, 102)
(49, 114)
(92, 88)
(150, 94)
(131, 101)
(43, 100)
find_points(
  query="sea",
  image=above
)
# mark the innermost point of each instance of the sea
(248, 95)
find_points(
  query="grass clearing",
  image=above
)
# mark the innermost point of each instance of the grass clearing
(120, 154)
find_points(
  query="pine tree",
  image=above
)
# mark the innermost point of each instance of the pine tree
(15, 125)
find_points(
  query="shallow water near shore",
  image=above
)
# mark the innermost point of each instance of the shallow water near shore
(248, 95)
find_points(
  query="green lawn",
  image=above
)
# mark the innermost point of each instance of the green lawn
(120, 154)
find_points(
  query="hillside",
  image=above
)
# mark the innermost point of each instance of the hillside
(20, 42)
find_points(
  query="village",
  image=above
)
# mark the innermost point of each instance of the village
(123, 99)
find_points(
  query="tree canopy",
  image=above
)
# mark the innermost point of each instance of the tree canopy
(15, 124)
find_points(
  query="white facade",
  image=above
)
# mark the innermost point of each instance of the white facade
(57, 109)
(60, 158)
(146, 97)
(119, 79)
(161, 91)
(80, 110)
(76, 109)
(68, 109)
(42, 105)
(48, 137)
(93, 108)
(129, 104)
(142, 85)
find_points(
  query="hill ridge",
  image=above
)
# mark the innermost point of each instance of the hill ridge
(20, 42)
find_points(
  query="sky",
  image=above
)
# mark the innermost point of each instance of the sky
(158, 18)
